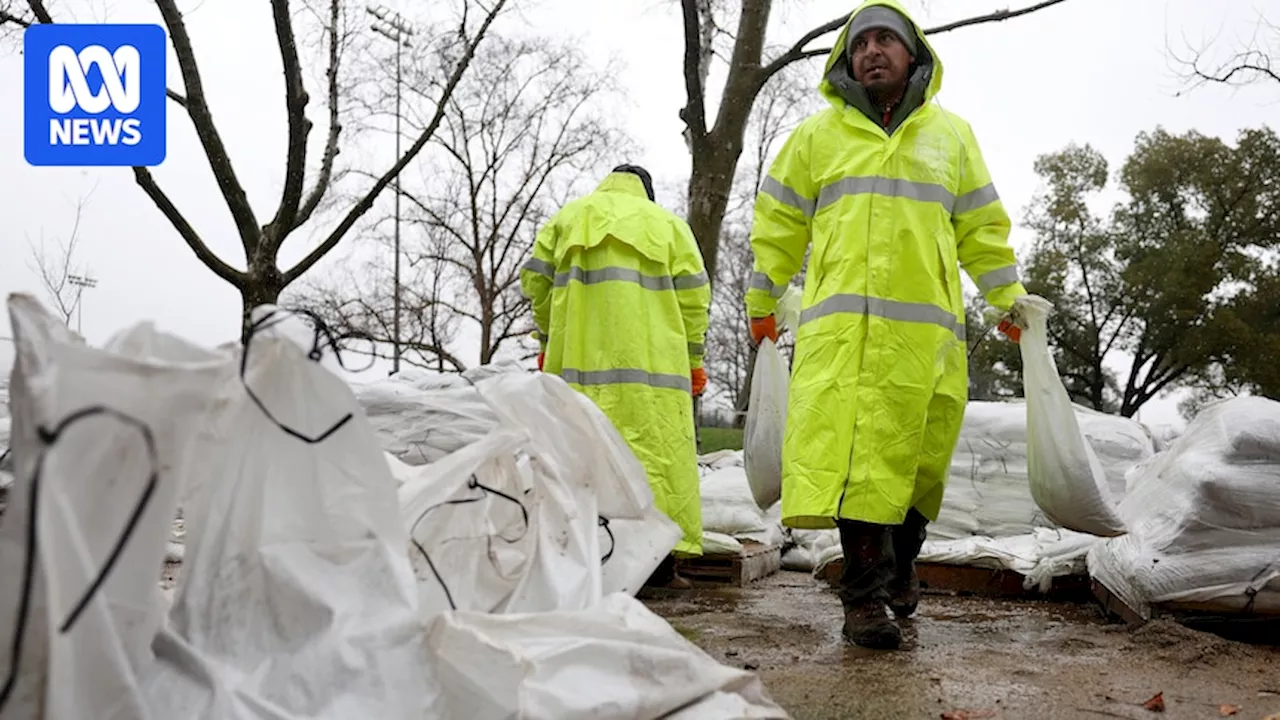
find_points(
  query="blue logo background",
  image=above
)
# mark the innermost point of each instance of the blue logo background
(93, 129)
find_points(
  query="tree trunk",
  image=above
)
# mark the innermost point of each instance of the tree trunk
(710, 184)
(261, 287)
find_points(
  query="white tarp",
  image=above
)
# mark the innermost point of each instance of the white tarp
(297, 598)
(1204, 517)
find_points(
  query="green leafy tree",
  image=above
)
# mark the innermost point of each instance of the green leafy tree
(1180, 277)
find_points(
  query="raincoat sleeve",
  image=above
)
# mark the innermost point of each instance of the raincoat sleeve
(538, 276)
(982, 230)
(693, 289)
(784, 209)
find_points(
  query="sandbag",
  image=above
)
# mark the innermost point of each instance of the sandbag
(988, 493)
(1067, 480)
(584, 665)
(766, 422)
(99, 449)
(296, 598)
(1203, 517)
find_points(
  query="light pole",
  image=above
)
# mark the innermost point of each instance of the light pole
(81, 282)
(391, 25)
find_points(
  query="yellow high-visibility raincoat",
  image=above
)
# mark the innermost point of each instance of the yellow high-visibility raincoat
(621, 300)
(879, 378)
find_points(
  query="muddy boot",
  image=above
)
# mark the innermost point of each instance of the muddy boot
(868, 568)
(904, 588)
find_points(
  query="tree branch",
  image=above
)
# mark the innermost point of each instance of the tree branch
(366, 202)
(797, 52)
(188, 233)
(335, 126)
(295, 100)
(215, 151)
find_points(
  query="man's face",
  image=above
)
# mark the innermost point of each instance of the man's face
(880, 60)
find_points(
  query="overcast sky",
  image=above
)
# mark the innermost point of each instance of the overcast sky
(1088, 71)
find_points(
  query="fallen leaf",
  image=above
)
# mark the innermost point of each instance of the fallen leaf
(1155, 704)
(968, 714)
(1228, 710)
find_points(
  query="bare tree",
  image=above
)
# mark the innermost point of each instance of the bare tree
(58, 269)
(517, 140)
(715, 145)
(782, 104)
(1252, 60)
(263, 279)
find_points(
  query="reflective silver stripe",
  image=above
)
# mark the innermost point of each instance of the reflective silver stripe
(592, 277)
(695, 349)
(988, 281)
(690, 282)
(888, 309)
(888, 187)
(626, 376)
(542, 267)
(760, 281)
(787, 196)
(975, 199)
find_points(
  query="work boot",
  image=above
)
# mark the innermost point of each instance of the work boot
(904, 588)
(868, 568)
(870, 627)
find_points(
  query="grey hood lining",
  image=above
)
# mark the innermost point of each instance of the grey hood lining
(841, 79)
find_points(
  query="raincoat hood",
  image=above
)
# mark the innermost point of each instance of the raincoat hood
(626, 183)
(841, 90)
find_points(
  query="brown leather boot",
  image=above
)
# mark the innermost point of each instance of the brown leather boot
(904, 588)
(869, 625)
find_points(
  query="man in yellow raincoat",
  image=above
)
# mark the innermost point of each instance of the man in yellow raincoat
(621, 300)
(889, 194)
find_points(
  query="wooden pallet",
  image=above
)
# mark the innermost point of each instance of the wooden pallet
(1228, 620)
(937, 578)
(756, 562)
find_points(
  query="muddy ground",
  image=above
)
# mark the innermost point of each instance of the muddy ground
(974, 658)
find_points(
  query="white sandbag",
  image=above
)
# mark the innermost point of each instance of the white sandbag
(988, 492)
(99, 442)
(296, 597)
(714, 543)
(728, 505)
(719, 460)
(808, 546)
(421, 418)
(766, 422)
(1204, 517)
(528, 498)
(617, 659)
(400, 470)
(1067, 480)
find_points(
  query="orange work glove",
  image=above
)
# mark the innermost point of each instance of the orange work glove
(698, 377)
(1010, 330)
(765, 327)
(541, 358)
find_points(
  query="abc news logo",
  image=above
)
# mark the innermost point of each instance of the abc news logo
(69, 89)
(94, 95)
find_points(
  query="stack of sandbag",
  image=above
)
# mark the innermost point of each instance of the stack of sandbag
(421, 417)
(1204, 516)
(988, 492)
(730, 515)
(297, 596)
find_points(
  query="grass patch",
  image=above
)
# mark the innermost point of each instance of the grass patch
(716, 439)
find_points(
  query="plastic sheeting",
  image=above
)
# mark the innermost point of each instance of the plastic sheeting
(297, 598)
(1203, 517)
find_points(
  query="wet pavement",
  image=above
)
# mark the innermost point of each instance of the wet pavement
(969, 658)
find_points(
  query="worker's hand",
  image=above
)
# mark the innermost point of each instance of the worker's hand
(541, 358)
(698, 377)
(1009, 329)
(765, 327)
(1013, 323)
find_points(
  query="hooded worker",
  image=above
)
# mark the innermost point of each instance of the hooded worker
(621, 299)
(889, 194)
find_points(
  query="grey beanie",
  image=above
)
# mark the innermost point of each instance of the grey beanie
(881, 17)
